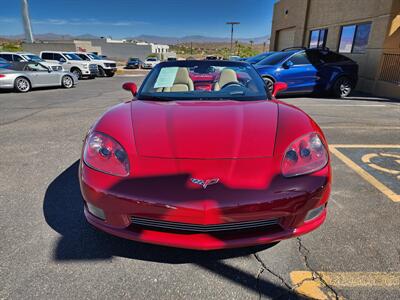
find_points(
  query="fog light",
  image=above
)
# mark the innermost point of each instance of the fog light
(98, 212)
(316, 212)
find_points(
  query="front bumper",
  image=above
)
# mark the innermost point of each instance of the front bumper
(124, 201)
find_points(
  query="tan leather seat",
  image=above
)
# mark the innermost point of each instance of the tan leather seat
(182, 82)
(227, 75)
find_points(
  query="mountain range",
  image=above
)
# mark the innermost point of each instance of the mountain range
(147, 38)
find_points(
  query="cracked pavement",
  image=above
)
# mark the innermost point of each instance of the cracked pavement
(48, 251)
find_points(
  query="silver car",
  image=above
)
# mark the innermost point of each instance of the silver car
(24, 76)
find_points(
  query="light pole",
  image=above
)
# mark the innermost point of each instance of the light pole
(26, 21)
(232, 23)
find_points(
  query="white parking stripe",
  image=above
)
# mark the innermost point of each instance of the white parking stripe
(345, 105)
(363, 127)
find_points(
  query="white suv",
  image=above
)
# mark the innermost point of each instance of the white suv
(106, 67)
(71, 63)
(14, 57)
(150, 63)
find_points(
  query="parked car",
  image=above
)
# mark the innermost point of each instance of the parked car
(27, 75)
(71, 63)
(4, 64)
(213, 57)
(310, 71)
(133, 63)
(234, 58)
(255, 59)
(13, 57)
(205, 162)
(150, 62)
(105, 67)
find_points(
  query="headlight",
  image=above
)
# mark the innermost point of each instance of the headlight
(104, 154)
(305, 155)
(85, 66)
(107, 65)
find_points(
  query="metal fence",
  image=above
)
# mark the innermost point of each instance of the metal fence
(390, 70)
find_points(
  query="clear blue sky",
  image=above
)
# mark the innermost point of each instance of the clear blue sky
(122, 18)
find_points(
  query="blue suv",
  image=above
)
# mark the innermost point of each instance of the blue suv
(314, 70)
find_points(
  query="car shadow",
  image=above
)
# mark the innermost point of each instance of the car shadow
(79, 241)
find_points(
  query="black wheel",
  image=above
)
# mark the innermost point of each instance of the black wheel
(342, 87)
(102, 73)
(67, 82)
(77, 73)
(269, 83)
(22, 85)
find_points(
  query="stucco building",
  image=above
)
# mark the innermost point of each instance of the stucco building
(367, 31)
(116, 49)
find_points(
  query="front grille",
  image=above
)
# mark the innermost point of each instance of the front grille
(56, 68)
(93, 67)
(203, 228)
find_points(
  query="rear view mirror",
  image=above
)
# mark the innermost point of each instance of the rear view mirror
(130, 86)
(279, 87)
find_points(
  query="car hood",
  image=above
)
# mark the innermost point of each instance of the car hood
(264, 67)
(204, 129)
(107, 61)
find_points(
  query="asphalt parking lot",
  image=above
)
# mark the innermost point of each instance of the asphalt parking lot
(48, 251)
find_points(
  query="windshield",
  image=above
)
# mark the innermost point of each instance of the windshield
(259, 57)
(133, 59)
(274, 58)
(32, 57)
(151, 59)
(72, 56)
(203, 80)
(94, 56)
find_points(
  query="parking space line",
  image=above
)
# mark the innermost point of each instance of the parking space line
(364, 174)
(307, 284)
(344, 105)
(363, 127)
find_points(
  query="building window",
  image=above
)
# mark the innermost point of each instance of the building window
(354, 38)
(318, 38)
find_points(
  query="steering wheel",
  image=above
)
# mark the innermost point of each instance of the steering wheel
(233, 83)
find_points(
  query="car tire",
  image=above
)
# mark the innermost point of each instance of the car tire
(67, 82)
(102, 73)
(77, 73)
(22, 85)
(342, 87)
(269, 83)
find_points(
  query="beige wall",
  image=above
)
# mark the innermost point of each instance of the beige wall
(294, 18)
(306, 15)
(38, 47)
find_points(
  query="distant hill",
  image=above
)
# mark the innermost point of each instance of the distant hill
(147, 38)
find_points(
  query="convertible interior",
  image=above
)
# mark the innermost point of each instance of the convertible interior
(212, 79)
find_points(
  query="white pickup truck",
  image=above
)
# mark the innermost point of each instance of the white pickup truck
(71, 63)
(106, 67)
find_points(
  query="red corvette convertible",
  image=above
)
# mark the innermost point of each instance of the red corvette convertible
(205, 158)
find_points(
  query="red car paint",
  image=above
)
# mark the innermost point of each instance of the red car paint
(240, 143)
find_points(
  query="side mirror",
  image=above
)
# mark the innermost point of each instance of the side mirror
(130, 86)
(279, 87)
(287, 64)
(49, 70)
(62, 60)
